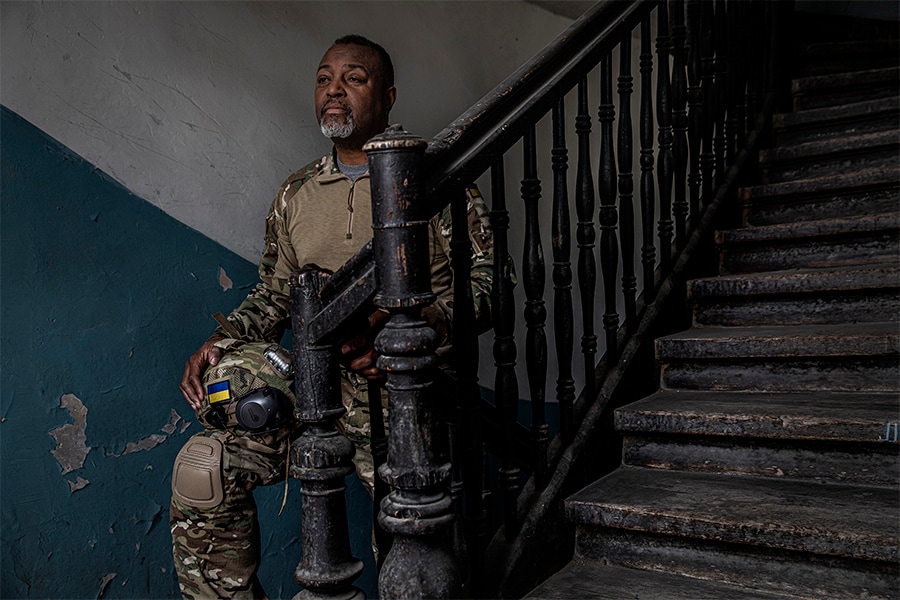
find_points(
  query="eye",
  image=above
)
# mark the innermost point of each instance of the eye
(322, 79)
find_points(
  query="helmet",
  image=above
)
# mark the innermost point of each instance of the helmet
(249, 392)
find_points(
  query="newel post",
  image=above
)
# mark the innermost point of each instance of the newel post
(321, 457)
(418, 509)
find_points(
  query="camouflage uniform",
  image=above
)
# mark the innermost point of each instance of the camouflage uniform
(216, 550)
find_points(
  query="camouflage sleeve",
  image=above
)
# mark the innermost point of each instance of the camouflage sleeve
(266, 311)
(440, 314)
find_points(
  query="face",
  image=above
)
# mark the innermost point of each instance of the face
(352, 100)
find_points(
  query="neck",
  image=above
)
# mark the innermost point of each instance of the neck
(350, 154)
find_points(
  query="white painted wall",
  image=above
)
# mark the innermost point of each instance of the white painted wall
(203, 108)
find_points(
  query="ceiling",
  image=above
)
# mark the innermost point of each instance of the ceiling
(571, 9)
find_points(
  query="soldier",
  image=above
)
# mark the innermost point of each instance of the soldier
(239, 380)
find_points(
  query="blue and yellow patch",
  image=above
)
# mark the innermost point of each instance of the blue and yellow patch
(218, 391)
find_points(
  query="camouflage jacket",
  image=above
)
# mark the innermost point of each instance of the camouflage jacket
(292, 240)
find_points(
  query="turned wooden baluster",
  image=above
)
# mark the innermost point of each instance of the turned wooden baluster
(648, 196)
(585, 235)
(626, 184)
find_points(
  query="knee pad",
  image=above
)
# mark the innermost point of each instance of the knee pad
(197, 475)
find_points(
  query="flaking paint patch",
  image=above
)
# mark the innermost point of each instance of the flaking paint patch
(79, 484)
(154, 439)
(104, 582)
(71, 450)
(225, 280)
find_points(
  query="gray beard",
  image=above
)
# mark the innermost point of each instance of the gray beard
(332, 129)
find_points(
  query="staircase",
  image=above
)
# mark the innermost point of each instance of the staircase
(767, 464)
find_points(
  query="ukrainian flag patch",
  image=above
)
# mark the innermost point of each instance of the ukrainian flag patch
(218, 391)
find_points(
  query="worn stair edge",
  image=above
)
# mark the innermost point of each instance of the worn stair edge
(838, 226)
(793, 574)
(862, 417)
(835, 374)
(829, 50)
(827, 116)
(797, 281)
(590, 580)
(887, 176)
(790, 342)
(867, 464)
(853, 80)
(859, 522)
(866, 142)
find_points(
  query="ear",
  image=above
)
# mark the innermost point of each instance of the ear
(390, 96)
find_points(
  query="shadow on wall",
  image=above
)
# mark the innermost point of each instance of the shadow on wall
(103, 297)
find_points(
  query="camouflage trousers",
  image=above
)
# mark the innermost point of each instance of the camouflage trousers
(217, 550)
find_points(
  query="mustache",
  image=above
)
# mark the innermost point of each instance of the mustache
(335, 103)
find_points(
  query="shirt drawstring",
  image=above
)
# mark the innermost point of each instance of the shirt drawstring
(350, 210)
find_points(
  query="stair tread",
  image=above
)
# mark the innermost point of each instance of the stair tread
(812, 228)
(847, 79)
(817, 340)
(859, 179)
(817, 148)
(591, 580)
(849, 278)
(852, 110)
(833, 416)
(831, 519)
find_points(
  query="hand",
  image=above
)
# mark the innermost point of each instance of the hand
(359, 351)
(207, 354)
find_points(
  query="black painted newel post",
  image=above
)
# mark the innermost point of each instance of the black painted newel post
(418, 509)
(321, 457)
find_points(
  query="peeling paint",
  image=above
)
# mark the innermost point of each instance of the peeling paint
(104, 582)
(154, 439)
(71, 450)
(79, 484)
(224, 280)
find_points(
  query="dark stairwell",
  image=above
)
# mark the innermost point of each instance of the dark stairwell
(767, 463)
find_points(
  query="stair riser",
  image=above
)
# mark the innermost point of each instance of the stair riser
(868, 307)
(879, 121)
(844, 375)
(843, 95)
(800, 575)
(879, 465)
(787, 210)
(810, 253)
(820, 166)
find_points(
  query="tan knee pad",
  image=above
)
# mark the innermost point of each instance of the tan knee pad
(197, 476)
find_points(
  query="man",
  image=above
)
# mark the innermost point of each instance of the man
(320, 215)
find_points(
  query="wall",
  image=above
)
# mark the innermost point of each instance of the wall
(141, 144)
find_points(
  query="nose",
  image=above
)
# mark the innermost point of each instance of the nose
(335, 88)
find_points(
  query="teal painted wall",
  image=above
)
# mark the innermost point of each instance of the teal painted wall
(102, 298)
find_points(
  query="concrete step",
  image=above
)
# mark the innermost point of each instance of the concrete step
(794, 537)
(826, 58)
(798, 296)
(842, 88)
(849, 437)
(855, 118)
(871, 190)
(834, 156)
(836, 242)
(845, 357)
(593, 580)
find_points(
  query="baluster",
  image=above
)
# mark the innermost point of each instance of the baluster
(320, 457)
(584, 234)
(737, 16)
(626, 183)
(506, 386)
(648, 197)
(535, 313)
(721, 75)
(418, 509)
(606, 188)
(378, 436)
(730, 83)
(679, 124)
(754, 51)
(469, 440)
(562, 274)
(664, 170)
(695, 106)
(707, 73)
